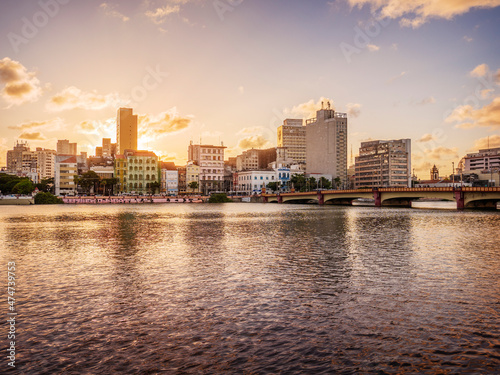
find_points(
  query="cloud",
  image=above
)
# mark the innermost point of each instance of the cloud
(308, 109)
(256, 141)
(484, 143)
(400, 75)
(485, 94)
(480, 71)
(428, 100)
(353, 109)
(468, 39)
(252, 130)
(20, 85)
(372, 47)
(162, 124)
(160, 14)
(35, 136)
(497, 77)
(487, 116)
(74, 98)
(441, 152)
(110, 10)
(47, 125)
(415, 13)
(426, 138)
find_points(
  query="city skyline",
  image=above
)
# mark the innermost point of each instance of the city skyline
(202, 70)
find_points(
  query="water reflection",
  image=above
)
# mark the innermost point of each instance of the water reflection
(255, 289)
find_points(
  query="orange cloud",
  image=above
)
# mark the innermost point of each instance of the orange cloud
(35, 136)
(307, 109)
(256, 141)
(72, 98)
(20, 85)
(483, 143)
(416, 13)
(164, 123)
(488, 116)
(48, 125)
(480, 71)
(441, 152)
(426, 138)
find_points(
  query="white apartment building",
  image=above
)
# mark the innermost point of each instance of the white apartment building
(211, 162)
(252, 182)
(484, 161)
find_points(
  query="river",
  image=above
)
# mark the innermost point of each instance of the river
(252, 289)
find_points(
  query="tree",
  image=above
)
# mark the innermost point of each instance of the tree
(313, 184)
(89, 180)
(219, 198)
(298, 182)
(47, 198)
(273, 186)
(45, 185)
(108, 184)
(193, 185)
(325, 183)
(337, 182)
(23, 187)
(153, 187)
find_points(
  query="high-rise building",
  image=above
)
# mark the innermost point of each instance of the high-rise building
(45, 162)
(126, 130)
(384, 164)
(15, 157)
(211, 161)
(64, 147)
(292, 135)
(326, 144)
(254, 159)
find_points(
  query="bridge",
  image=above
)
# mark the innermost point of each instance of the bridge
(466, 197)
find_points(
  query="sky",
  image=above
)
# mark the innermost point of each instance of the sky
(232, 70)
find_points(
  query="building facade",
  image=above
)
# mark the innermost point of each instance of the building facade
(142, 171)
(326, 144)
(64, 175)
(292, 136)
(120, 173)
(383, 164)
(484, 161)
(192, 175)
(126, 131)
(64, 147)
(46, 160)
(170, 181)
(252, 182)
(211, 162)
(255, 159)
